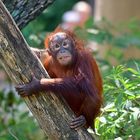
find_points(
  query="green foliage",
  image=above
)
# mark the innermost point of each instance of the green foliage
(121, 110)
(123, 35)
(15, 120)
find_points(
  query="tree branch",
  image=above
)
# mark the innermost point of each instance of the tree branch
(23, 11)
(51, 112)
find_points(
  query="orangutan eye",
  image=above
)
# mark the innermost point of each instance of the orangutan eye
(66, 44)
(57, 46)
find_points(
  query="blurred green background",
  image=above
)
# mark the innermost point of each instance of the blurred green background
(120, 118)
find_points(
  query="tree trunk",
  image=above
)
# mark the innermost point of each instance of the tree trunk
(23, 11)
(51, 112)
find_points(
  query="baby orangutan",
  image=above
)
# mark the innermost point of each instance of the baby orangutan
(74, 74)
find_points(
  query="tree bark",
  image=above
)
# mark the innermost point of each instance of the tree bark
(51, 112)
(23, 11)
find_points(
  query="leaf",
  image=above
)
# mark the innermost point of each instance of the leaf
(137, 132)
